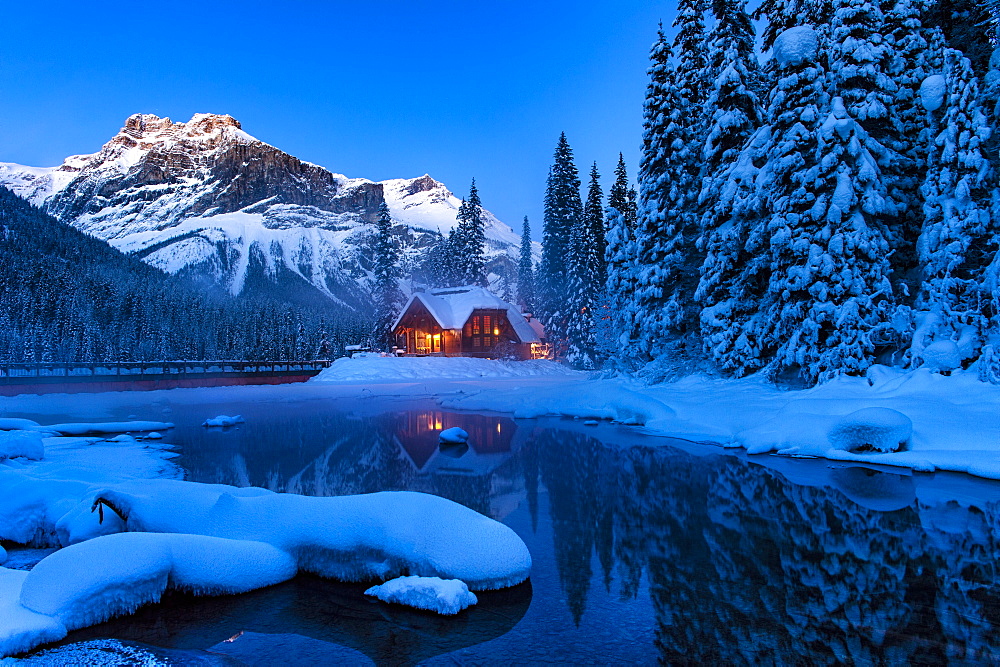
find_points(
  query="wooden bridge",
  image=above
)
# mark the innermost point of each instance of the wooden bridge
(47, 378)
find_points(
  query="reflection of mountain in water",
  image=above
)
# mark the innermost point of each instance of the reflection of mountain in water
(746, 567)
(337, 454)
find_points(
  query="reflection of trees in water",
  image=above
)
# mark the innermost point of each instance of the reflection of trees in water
(744, 566)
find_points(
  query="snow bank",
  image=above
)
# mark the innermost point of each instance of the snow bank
(424, 368)
(586, 400)
(224, 420)
(444, 596)
(455, 435)
(47, 502)
(955, 419)
(352, 538)
(21, 444)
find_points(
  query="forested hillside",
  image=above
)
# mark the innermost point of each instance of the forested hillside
(65, 296)
(807, 210)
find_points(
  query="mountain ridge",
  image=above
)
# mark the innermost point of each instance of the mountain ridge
(204, 197)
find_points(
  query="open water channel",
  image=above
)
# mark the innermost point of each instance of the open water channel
(645, 549)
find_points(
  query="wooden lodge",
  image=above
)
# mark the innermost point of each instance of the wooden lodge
(467, 322)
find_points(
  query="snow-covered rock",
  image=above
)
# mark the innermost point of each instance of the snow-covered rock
(112, 575)
(154, 435)
(105, 428)
(942, 355)
(353, 538)
(872, 429)
(444, 596)
(224, 420)
(21, 444)
(932, 92)
(796, 45)
(454, 435)
(3, 555)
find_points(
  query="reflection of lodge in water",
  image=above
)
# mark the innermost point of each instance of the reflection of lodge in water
(492, 442)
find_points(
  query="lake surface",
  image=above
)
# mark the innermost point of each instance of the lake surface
(645, 549)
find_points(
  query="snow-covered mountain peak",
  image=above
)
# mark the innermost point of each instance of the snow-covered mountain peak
(205, 196)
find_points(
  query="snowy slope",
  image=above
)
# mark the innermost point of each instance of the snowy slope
(206, 197)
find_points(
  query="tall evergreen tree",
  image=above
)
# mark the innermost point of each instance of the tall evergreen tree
(593, 213)
(620, 261)
(665, 230)
(563, 213)
(967, 26)
(584, 266)
(959, 243)
(780, 15)
(468, 241)
(526, 271)
(385, 277)
(691, 76)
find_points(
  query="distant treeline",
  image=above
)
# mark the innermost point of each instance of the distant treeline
(65, 296)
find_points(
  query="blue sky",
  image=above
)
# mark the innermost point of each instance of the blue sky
(375, 90)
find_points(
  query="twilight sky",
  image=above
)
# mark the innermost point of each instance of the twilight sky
(368, 89)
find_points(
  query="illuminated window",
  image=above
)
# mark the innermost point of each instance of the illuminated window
(477, 325)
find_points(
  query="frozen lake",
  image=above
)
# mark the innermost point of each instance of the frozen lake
(645, 549)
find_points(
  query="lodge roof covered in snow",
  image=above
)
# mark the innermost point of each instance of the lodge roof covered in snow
(452, 307)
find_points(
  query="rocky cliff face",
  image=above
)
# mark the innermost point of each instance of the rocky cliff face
(207, 198)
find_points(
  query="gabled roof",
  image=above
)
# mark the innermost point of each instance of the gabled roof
(452, 307)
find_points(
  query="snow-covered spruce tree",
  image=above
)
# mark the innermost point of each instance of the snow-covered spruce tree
(760, 212)
(583, 266)
(734, 114)
(691, 76)
(860, 63)
(665, 226)
(593, 213)
(967, 26)
(959, 242)
(908, 67)
(469, 240)
(620, 261)
(385, 278)
(834, 286)
(562, 214)
(526, 271)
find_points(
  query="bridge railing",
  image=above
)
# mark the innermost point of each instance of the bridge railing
(130, 369)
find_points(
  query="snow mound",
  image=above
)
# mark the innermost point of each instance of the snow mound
(454, 435)
(932, 92)
(942, 355)
(154, 435)
(3, 555)
(12, 424)
(444, 596)
(106, 428)
(23, 444)
(795, 46)
(108, 576)
(378, 369)
(872, 429)
(225, 420)
(351, 538)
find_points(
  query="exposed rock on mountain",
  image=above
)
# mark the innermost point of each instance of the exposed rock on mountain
(205, 197)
